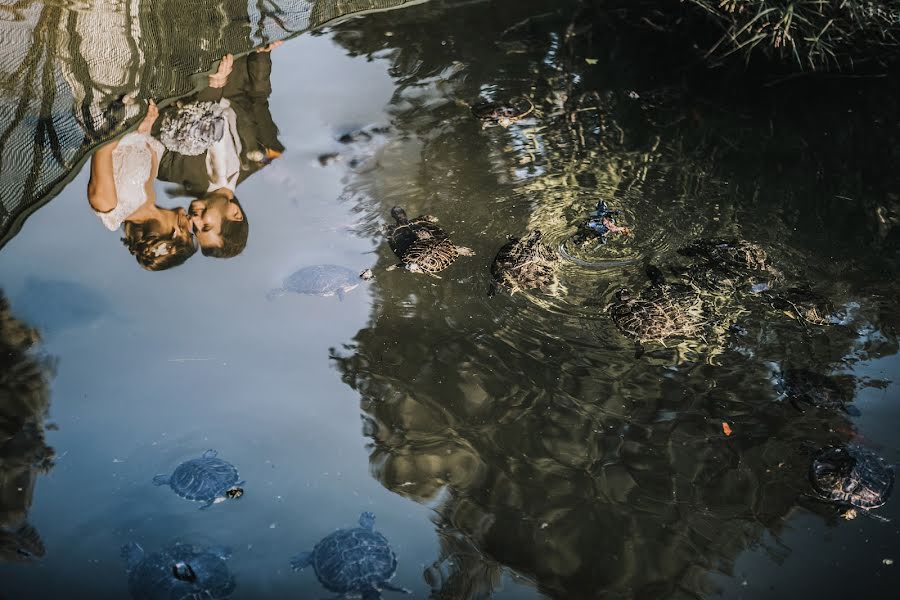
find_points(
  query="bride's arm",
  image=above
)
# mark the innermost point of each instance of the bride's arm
(101, 188)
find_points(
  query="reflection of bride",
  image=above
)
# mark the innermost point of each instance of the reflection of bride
(121, 192)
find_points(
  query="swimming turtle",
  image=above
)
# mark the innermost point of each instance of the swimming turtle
(722, 265)
(733, 254)
(319, 280)
(525, 263)
(206, 479)
(815, 389)
(181, 571)
(356, 560)
(421, 244)
(661, 311)
(804, 304)
(851, 475)
(600, 223)
(502, 113)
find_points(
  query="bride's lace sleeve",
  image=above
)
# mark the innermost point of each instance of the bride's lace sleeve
(132, 168)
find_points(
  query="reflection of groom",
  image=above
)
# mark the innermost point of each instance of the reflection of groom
(250, 141)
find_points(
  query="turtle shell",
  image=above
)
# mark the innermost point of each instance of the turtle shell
(182, 571)
(430, 255)
(730, 255)
(851, 475)
(354, 559)
(407, 233)
(804, 304)
(502, 113)
(525, 263)
(203, 479)
(660, 312)
(822, 391)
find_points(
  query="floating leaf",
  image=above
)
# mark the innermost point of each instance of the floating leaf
(591, 61)
(726, 428)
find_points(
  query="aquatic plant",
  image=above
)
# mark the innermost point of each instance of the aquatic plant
(815, 34)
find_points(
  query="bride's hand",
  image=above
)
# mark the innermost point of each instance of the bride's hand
(220, 77)
(152, 114)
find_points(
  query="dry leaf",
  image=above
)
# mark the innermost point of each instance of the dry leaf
(726, 428)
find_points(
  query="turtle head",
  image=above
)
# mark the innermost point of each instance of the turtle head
(183, 572)
(367, 521)
(234, 492)
(399, 215)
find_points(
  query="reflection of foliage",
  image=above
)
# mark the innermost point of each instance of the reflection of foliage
(24, 400)
(546, 448)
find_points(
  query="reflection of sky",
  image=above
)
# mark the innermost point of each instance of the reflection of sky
(195, 357)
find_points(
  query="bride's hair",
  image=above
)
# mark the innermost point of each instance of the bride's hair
(155, 251)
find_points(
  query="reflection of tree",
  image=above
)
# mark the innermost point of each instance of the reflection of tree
(542, 448)
(24, 400)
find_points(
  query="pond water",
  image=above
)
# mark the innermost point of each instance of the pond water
(514, 446)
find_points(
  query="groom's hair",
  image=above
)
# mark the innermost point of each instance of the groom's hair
(234, 236)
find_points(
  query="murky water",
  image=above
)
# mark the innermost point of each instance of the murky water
(511, 447)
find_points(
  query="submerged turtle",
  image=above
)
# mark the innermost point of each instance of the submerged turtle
(815, 389)
(319, 280)
(421, 244)
(596, 228)
(660, 312)
(725, 265)
(181, 571)
(353, 560)
(525, 263)
(804, 304)
(502, 113)
(206, 479)
(851, 475)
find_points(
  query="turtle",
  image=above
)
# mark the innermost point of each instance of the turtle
(815, 389)
(851, 475)
(354, 560)
(732, 255)
(804, 304)
(502, 113)
(525, 263)
(421, 244)
(600, 223)
(319, 280)
(207, 479)
(724, 266)
(660, 312)
(180, 571)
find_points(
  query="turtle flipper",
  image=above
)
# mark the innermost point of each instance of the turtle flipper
(301, 561)
(340, 295)
(133, 554)
(393, 588)
(371, 594)
(161, 480)
(210, 453)
(208, 504)
(463, 251)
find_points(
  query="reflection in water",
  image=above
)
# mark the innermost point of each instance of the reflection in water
(75, 75)
(24, 400)
(542, 444)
